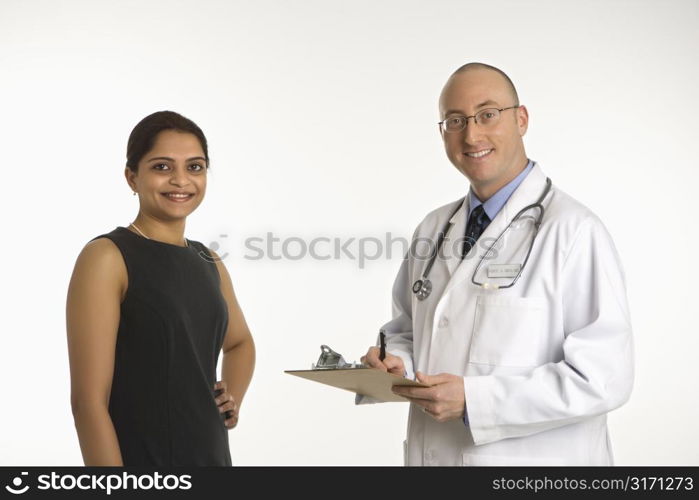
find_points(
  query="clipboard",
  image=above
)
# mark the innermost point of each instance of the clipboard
(332, 370)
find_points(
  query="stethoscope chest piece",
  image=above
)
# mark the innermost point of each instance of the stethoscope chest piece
(422, 288)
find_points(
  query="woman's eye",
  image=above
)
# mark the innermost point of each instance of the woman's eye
(157, 167)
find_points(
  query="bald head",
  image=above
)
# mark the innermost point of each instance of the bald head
(477, 66)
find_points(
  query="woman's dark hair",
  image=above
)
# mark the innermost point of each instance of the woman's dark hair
(143, 135)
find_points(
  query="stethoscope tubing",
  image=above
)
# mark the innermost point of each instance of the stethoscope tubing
(422, 287)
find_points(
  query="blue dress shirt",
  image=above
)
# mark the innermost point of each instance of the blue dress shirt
(494, 204)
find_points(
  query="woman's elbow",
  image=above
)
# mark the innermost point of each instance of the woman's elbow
(86, 407)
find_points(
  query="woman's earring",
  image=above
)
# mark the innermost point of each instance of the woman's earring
(134, 193)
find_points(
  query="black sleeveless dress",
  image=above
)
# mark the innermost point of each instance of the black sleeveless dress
(173, 321)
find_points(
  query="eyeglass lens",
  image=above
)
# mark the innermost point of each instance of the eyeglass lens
(485, 117)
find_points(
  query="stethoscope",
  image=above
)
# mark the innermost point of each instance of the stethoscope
(423, 286)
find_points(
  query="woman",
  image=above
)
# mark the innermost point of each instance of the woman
(148, 313)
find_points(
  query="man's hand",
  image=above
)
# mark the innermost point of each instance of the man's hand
(443, 401)
(226, 403)
(391, 364)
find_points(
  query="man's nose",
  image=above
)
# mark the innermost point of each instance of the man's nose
(472, 131)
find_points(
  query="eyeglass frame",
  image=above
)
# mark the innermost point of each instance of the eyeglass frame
(443, 128)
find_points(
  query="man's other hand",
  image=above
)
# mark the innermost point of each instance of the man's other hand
(444, 400)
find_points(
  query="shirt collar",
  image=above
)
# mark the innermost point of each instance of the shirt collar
(493, 204)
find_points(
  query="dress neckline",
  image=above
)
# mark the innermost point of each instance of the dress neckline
(189, 242)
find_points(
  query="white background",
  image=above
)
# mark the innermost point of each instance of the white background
(321, 121)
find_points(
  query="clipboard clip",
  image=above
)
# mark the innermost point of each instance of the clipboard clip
(331, 360)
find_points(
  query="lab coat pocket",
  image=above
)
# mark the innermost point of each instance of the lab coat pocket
(508, 331)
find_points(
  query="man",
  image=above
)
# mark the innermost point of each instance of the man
(526, 373)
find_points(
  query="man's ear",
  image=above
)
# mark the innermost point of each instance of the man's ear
(522, 119)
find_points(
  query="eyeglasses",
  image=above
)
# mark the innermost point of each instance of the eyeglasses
(485, 117)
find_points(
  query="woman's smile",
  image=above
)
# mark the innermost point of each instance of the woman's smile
(178, 197)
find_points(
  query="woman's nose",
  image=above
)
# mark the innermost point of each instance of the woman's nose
(179, 177)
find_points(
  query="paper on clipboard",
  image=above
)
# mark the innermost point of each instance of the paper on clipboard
(363, 381)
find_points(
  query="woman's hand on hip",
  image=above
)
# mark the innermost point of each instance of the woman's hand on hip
(226, 403)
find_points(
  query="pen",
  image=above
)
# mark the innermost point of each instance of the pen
(382, 353)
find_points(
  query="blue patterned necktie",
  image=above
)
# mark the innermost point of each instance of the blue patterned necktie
(477, 222)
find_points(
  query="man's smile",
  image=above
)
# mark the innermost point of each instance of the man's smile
(479, 154)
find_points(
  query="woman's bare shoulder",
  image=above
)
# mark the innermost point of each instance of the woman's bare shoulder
(100, 252)
(101, 259)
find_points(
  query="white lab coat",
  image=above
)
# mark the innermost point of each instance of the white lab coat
(543, 361)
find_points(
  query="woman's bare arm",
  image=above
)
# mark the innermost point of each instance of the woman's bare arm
(238, 347)
(95, 293)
